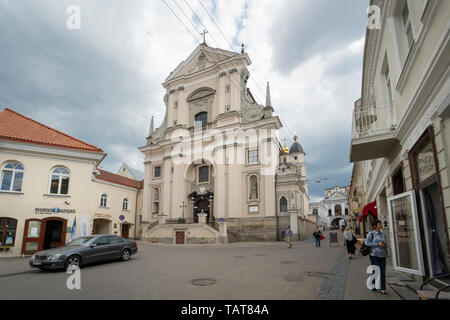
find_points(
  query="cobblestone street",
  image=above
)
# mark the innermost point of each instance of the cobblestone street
(239, 271)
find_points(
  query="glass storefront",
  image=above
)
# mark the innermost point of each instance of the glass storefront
(404, 233)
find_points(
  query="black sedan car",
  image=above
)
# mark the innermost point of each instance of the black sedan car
(85, 250)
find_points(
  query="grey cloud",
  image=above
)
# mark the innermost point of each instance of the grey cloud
(304, 28)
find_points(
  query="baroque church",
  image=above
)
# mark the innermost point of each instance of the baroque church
(215, 170)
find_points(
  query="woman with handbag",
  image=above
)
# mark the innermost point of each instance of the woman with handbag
(377, 241)
(317, 236)
(349, 241)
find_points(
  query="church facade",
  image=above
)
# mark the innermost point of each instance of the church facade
(215, 169)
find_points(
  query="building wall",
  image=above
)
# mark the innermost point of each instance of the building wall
(116, 194)
(83, 195)
(35, 190)
(419, 82)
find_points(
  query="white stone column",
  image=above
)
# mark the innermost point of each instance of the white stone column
(293, 222)
(221, 93)
(146, 204)
(167, 197)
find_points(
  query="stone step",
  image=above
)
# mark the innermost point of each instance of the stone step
(404, 292)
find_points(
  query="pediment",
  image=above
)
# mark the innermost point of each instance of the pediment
(202, 58)
(337, 196)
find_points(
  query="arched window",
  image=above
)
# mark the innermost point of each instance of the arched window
(125, 204)
(329, 212)
(338, 210)
(253, 188)
(12, 176)
(59, 183)
(315, 212)
(202, 117)
(104, 200)
(283, 204)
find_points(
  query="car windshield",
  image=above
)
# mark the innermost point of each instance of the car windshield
(79, 241)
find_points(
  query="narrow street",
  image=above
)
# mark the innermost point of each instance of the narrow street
(238, 271)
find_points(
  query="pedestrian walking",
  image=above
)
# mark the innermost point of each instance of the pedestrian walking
(317, 234)
(350, 241)
(288, 236)
(377, 241)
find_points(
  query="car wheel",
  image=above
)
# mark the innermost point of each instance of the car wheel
(125, 255)
(73, 261)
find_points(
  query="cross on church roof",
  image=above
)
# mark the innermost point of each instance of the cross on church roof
(204, 35)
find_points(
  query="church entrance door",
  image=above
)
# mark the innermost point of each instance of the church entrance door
(179, 237)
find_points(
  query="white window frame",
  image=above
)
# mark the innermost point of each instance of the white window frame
(421, 270)
(160, 171)
(127, 206)
(248, 156)
(13, 177)
(407, 26)
(61, 175)
(106, 200)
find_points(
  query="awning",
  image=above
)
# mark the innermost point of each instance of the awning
(126, 222)
(369, 208)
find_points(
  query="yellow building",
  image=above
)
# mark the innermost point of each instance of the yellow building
(48, 181)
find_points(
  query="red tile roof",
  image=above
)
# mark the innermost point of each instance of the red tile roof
(115, 178)
(16, 127)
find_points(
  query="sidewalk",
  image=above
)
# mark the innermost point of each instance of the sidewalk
(398, 285)
(356, 288)
(15, 265)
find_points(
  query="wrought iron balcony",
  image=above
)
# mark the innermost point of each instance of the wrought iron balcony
(373, 133)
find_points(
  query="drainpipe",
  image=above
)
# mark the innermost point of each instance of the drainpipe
(136, 216)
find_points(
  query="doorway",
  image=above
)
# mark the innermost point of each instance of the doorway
(41, 234)
(125, 230)
(179, 237)
(101, 226)
(434, 229)
(53, 234)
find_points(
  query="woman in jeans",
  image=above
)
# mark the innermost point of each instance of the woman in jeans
(377, 240)
(316, 235)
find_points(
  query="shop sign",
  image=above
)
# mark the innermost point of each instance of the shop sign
(52, 210)
(425, 163)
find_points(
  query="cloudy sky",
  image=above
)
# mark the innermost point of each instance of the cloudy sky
(102, 83)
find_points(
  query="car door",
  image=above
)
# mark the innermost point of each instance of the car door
(116, 244)
(98, 249)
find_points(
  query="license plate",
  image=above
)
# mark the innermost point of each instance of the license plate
(37, 263)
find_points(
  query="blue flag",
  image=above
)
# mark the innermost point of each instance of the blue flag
(74, 228)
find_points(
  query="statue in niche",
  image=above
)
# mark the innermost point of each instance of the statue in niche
(201, 63)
